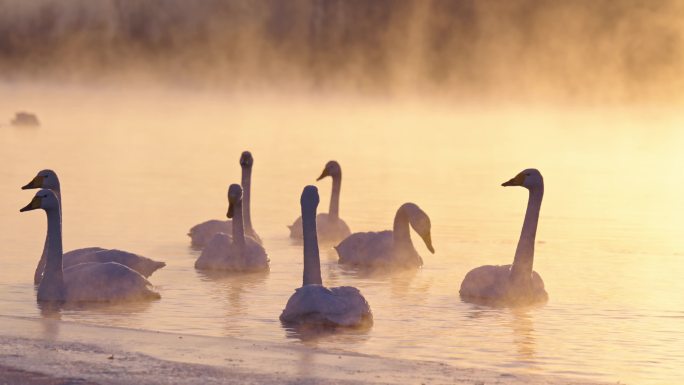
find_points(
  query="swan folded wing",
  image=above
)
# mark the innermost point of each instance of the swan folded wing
(142, 265)
(331, 229)
(491, 284)
(296, 228)
(216, 254)
(315, 304)
(77, 254)
(366, 249)
(328, 230)
(222, 254)
(202, 233)
(104, 282)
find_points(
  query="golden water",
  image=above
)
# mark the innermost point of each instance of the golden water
(139, 168)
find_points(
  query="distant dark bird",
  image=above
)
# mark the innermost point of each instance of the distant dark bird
(314, 304)
(515, 284)
(25, 119)
(330, 227)
(202, 233)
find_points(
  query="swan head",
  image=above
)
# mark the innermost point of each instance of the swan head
(310, 197)
(529, 178)
(332, 168)
(44, 179)
(420, 223)
(246, 159)
(234, 196)
(44, 199)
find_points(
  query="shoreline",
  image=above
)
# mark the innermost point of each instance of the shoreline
(48, 351)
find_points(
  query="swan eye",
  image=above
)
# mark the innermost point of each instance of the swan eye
(528, 174)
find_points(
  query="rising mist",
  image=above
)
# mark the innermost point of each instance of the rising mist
(607, 51)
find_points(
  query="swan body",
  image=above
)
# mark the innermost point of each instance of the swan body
(515, 284)
(330, 227)
(389, 248)
(202, 233)
(314, 304)
(237, 252)
(48, 179)
(85, 282)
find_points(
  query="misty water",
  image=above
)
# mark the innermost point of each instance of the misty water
(139, 167)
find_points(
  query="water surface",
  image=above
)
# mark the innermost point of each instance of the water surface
(139, 168)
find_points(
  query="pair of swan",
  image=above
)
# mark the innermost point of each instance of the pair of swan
(84, 282)
(238, 253)
(47, 179)
(370, 249)
(330, 227)
(515, 284)
(313, 303)
(202, 233)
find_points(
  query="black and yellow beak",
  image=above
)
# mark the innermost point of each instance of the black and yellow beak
(37, 182)
(519, 180)
(231, 210)
(428, 242)
(323, 174)
(35, 203)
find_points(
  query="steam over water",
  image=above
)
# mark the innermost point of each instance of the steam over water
(146, 107)
(578, 51)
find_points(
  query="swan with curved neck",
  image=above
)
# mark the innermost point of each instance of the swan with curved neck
(390, 248)
(313, 303)
(330, 227)
(47, 179)
(237, 252)
(85, 282)
(202, 233)
(515, 284)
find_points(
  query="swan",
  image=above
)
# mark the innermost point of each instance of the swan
(202, 233)
(330, 227)
(85, 282)
(236, 253)
(515, 284)
(313, 303)
(48, 179)
(389, 248)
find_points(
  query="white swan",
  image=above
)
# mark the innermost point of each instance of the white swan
(390, 248)
(202, 233)
(85, 282)
(515, 284)
(236, 253)
(48, 179)
(313, 303)
(330, 227)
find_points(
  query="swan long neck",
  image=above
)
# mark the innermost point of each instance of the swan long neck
(246, 197)
(400, 231)
(524, 253)
(312, 261)
(238, 227)
(52, 275)
(334, 211)
(38, 274)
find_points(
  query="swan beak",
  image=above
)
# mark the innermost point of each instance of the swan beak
(37, 182)
(519, 180)
(230, 210)
(35, 203)
(323, 175)
(428, 242)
